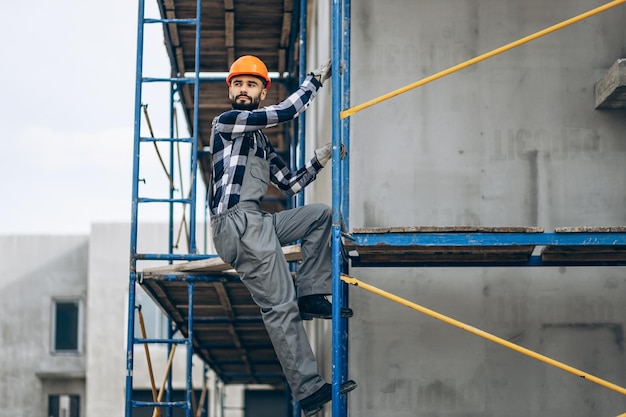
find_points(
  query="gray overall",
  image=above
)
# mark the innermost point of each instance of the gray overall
(251, 241)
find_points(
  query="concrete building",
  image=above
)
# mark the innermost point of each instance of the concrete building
(43, 310)
(63, 320)
(513, 141)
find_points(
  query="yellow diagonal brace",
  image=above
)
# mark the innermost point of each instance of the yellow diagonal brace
(352, 110)
(483, 334)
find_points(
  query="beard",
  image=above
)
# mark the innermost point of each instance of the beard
(253, 104)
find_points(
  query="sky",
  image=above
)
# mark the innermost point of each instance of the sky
(67, 112)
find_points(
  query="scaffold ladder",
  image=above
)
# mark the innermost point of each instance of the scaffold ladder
(188, 202)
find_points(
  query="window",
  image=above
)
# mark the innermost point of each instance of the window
(63, 406)
(66, 326)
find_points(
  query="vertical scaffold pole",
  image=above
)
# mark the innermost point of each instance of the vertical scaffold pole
(338, 342)
(301, 145)
(345, 171)
(129, 345)
(345, 164)
(194, 150)
(134, 212)
(302, 50)
(191, 288)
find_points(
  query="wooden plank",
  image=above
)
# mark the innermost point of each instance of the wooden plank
(216, 264)
(282, 60)
(448, 229)
(591, 229)
(596, 253)
(414, 254)
(285, 32)
(229, 22)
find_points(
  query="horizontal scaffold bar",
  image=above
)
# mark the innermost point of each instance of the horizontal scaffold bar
(164, 200)
(182, 404)
(163, 341)
(489, 239)
(184, 140)
(173, 256)
(224, 320)
(178, 80)
(176, 21)
(253, 375)
(230, 346)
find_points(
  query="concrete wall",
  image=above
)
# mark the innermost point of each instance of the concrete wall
(512, 141)
(33, 271)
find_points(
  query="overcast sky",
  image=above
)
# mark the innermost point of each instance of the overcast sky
(68, 76)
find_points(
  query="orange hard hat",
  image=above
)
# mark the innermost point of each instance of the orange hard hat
(249, 65)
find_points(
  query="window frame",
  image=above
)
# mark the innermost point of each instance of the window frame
(53, 325)
(74, 411)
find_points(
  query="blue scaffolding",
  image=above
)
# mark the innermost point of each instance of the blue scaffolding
(203, 280)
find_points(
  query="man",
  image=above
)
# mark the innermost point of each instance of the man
(244, 162)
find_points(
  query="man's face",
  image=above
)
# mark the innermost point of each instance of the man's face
(246, 92)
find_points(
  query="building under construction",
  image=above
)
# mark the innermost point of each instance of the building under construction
(484, 189)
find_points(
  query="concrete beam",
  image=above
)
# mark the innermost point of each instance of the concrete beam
(610, 91)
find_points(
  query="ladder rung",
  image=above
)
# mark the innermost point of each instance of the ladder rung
(185, 140)
(223, 320)
(165, 341)
(182, 404)
(172, 256)
(253, 374)
(177, 21)
(164, 200)
(179, 80)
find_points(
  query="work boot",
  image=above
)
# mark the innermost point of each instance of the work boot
(317, 306)
(315, 402)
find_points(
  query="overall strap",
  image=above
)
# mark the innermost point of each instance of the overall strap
(211, 141)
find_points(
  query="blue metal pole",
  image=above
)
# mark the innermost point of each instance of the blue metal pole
(137, 136)
(337, 323)
(134, 210)
(301, 147)
(345, 165)
(168, 393)
(170, 346)
(130, 345)
(191, 287)
(194, 147)
(170, 244)
(301, 150)
(345, 195)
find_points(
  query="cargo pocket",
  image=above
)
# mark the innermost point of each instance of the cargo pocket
(225, 240)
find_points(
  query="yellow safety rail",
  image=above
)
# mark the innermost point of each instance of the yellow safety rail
(483, 334)
(352, 110)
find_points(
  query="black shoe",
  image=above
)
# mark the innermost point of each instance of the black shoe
(315, 402)
(317, 306)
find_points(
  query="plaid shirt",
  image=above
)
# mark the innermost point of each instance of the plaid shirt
(238, 131)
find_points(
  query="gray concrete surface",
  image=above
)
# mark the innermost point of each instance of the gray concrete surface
(33, 271)
(512, 141)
